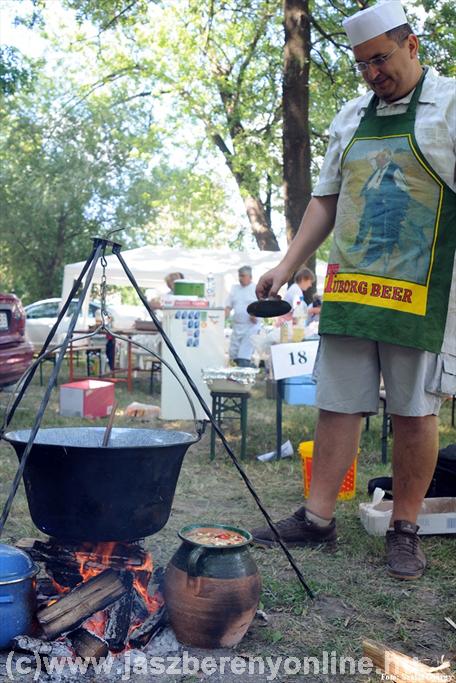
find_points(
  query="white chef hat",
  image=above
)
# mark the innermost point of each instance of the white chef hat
(373, 21)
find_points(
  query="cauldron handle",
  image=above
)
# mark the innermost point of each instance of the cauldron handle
(192, 568)
(200, 425)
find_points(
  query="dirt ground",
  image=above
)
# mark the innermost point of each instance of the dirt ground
(354, 598)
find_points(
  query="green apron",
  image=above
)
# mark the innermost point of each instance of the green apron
(390, 267)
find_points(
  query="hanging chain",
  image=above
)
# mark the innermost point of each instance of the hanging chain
(105, 318)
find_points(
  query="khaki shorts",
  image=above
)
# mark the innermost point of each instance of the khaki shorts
(348, 371)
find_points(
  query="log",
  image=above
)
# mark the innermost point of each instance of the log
(151, 627)
(60, 564)
(158, 578)
(87, 645)
(62, 576)
(31, 645)
(139, 609)
(42, 551)
(45, 590)
(119, 620)
(36, 646)
(400, 667)
(73, 608)
(123, 554)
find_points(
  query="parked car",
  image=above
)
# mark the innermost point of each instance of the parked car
(16, 352)
(41, 316)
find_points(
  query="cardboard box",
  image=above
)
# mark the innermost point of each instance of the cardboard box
(86, 398)
(437, 516)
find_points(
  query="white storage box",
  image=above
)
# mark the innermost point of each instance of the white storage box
(437, 516)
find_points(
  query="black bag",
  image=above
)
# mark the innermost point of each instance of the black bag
(443, 482)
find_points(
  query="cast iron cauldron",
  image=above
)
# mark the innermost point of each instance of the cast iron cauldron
(78, 490)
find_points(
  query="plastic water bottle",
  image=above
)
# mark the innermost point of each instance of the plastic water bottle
(299, 321)
(210, 289)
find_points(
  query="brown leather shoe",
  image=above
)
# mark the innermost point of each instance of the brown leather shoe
(296, 531)
(405, 558)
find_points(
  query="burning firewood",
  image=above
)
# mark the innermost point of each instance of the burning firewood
(139, 608)
(35, 646)
(61, 564)
(152, 625)
(103, 555)
(398, 666)
(87, 644)
(68, 613)
(45, 590)
(116, 631)
(31, 645)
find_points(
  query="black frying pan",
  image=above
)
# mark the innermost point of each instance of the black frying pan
(268, 308)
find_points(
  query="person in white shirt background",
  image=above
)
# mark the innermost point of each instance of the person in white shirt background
(296, 296)
(244, 325)
(303, 281)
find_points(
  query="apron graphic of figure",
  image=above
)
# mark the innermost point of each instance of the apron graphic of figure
(386, 202)
(394, 241)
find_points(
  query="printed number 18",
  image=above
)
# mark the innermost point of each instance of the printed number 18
(298, 358)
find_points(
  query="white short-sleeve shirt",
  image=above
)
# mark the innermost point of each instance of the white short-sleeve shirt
(238, 299)
(435, 130)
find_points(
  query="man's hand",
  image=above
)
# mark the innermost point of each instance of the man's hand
(317, 223)
(270, 283)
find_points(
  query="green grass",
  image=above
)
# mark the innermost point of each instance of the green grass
(355, 599)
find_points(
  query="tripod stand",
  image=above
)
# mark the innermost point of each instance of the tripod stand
(86, 276)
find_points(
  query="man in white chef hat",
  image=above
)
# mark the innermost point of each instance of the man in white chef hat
(378, 320)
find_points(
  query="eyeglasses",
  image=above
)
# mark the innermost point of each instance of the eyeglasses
(361, 67)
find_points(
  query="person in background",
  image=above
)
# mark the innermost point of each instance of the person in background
(296, 297)
(378, 318)
(111, 351)
(170, 280)
(314, 309)
(244, 325)
(295, 293)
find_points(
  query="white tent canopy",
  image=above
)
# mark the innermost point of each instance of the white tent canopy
(150, 264)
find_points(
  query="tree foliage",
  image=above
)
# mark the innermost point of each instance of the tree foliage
(159, 113)
(64, 179)
(14, 74)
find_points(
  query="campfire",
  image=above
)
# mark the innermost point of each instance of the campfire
(104, 597)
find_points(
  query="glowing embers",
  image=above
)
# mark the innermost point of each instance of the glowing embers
(102, 596)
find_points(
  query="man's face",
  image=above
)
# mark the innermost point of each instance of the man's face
(395, 77)
(244, 279)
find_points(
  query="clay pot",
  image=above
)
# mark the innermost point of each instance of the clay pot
(211, 592)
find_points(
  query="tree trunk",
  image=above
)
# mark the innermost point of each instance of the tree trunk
(296, 137)
(258, 215)
(261, 227)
